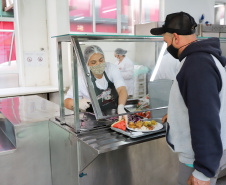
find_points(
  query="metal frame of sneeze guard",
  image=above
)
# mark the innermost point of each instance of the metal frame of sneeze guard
(77, 55)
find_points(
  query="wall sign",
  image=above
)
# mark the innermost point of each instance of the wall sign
(34, 58)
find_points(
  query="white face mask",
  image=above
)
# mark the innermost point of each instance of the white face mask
(98, 69)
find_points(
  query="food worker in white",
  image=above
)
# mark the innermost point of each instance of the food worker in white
(107, 82)
(168, 68)
(126, 68)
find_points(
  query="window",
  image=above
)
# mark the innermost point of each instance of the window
(115, 16)
(9, 76)
(150, 11)
(106, 16)
(130, 15)
(81, 15)
(6, 8)
(219, 10)
(7, 42)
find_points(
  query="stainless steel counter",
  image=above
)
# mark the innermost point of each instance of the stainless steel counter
(108, 157)
(45, 152)
(24, 140)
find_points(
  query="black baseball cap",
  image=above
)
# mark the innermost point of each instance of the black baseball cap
(181, 23)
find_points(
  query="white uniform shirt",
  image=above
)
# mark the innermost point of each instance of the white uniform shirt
(168, 68)
(126, 68)
(113, 75)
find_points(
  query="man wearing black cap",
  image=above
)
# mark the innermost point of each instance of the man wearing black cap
(196, 123)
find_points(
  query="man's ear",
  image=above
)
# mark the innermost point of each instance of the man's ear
(177, 38)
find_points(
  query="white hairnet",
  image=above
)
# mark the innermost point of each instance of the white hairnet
(120, 51)
(90, 50)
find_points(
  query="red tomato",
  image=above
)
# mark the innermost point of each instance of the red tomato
(148, 114)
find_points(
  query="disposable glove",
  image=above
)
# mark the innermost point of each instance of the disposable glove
(84, 103)
(121, 110)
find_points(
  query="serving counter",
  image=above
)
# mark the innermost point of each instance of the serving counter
(42, 143)
(89, 152)
(107, 157)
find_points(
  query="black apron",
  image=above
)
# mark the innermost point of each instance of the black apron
(108, 99)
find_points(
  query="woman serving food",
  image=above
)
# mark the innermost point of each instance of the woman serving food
(107, 82)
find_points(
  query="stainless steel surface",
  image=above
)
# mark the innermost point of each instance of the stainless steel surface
(159, 91)
(7, 135)
(101, 141)
(214, 28)
(24, 121)
(106, 140)
(6, 146)
(107, 38)
(24, 131)
(30, 162)
(60, 81)
(149, 162)
(75, 90)
(29, 109)
(63, 156)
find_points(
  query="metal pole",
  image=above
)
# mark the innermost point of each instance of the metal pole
(119, 21)
(95, 103)
(94, 15)
(60, 82)
(74, 67)
(11, 48)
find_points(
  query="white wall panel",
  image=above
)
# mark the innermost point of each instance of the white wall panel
(193, 7)
(31, 36)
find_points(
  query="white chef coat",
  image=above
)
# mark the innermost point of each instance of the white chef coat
(113, 75)
(126, 68)
(168, 68)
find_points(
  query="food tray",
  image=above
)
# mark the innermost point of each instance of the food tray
(135, 134)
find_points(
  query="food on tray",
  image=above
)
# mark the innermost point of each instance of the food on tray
(120, 125)
(143, 125)
(146, 114)
(131, 117)
(153, 122)
(142, 105)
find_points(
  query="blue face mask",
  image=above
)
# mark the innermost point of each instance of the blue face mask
(173, 51)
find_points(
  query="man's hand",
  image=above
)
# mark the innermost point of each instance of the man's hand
(164, 118)
(193, 181)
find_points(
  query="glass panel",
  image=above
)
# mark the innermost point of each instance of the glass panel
(81, 16)
(219, 10)
(6, 8)
(145, 53)
(106, 16)
(130, 15)
(159, 91)
(150, 11)
(143, 56)
(150, 97)
(8, 66)
(6, 33)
